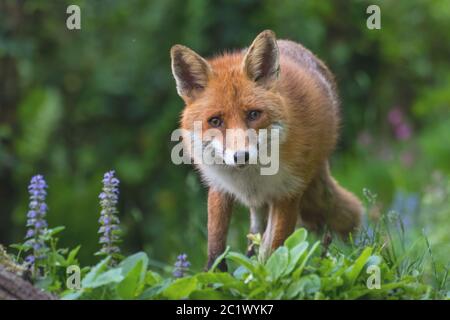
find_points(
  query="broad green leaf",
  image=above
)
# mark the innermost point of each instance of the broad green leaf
(277, 262)
(128, 287)
(155, 291)
(223, 279)
(108, 277)
(95, 271)
(242, 260)
(295, 254)
(305, 286)
(297, 273)
(133, 270)
(152, 278)
(296, 238)
(181, 288)
(258, 293)
(130, 262)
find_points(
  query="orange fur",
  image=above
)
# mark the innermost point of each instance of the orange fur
(289, 85)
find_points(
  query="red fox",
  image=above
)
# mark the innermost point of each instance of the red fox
(272, 84)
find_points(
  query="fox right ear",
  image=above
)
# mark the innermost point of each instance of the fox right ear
(191, 71)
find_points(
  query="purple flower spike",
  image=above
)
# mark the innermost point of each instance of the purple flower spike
(181, 266)
(36, 223)
(109, 222)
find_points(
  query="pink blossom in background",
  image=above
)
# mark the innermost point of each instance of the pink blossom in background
(395, 116)
(403, 131)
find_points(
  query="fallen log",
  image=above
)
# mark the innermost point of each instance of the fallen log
(13, 287)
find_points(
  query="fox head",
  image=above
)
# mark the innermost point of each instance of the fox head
(231, 96)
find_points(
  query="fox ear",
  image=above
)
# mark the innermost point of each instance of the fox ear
(261, 62)
(191, 71)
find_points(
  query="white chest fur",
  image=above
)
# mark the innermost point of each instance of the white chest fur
(248, 185)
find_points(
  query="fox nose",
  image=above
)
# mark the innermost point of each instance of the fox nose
(241, 157)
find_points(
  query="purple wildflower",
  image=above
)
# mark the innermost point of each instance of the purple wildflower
(402, 130)
(109, 221)
(181, 266)
(395, 116)
(36, 223)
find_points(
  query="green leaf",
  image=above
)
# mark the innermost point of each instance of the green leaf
(95, 272)
(155, 291)
(72, 295)
(222, 279)
(108, 277)
(259, 292)
(296, 238)
(219, 259)
(21, 246)
(72, 255)
(331, 283)
(305, 286)
(297, 273)
(133, 269)
(209, 278)
(295, 254)
(277, 262)
(242, 260)
(53, 231)
(352, 273)
(181, 288)
(152, 278)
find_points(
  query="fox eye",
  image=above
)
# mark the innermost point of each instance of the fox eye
(253, 115)
(215, 122)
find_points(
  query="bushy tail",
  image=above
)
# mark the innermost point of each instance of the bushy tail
(325, 202)
(345, 216)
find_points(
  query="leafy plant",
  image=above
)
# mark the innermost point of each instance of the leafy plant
(295, 270)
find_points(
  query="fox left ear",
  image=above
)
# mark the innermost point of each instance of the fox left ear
(261, 63)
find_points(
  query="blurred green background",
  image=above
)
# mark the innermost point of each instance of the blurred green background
(74, 104)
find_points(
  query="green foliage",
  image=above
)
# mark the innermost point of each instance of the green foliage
(50, 271)
(293, 271)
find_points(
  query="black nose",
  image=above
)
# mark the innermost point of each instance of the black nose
(241, 157)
